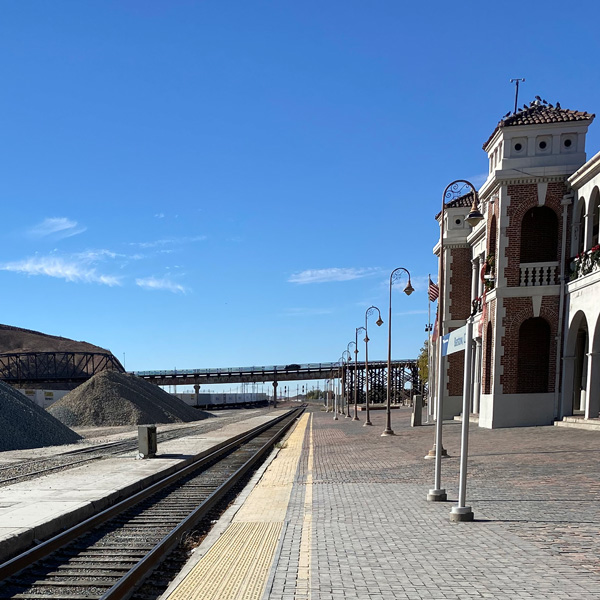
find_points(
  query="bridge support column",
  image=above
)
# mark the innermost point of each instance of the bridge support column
(197, 392)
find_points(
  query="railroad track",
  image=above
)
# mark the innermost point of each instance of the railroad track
(32, 468)
(108, 556)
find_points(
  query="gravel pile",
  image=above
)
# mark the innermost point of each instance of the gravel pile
(110, 398)
(24, 424)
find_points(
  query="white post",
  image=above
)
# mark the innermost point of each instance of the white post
(335, 400)
(462, 512)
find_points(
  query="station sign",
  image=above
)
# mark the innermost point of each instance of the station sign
(455, 341)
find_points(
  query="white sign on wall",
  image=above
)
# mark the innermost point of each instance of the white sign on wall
(455, 341)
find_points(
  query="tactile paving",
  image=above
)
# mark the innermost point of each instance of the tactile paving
(237, 565)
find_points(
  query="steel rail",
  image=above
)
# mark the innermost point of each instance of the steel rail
(138, 574)
(20, 562)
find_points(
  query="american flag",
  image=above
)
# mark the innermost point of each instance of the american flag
(434, 291)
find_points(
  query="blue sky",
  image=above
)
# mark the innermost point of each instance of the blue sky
(230, 183)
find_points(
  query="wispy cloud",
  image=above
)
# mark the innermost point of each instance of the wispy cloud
(411, 312)
(160, 215)
(333, 274)
(56, 228)
(92, 256)
(154, 283)
(169, 242)
(60, 268)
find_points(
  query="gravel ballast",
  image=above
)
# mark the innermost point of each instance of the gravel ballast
(110, 398)
(24, 424)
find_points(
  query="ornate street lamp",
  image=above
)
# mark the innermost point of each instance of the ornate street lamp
(344, 383)
(453, 190)
(408, 290)
(355, 418)
(371, 310)
(354, 381)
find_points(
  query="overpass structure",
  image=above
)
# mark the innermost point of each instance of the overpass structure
(64, 369)
(405, 375)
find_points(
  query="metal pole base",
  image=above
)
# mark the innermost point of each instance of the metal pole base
(355, 419)
(387, 432)
(367, 423)
(335, 417)
(431, 453)
(346, 416)
(437, 496)
(461, 513)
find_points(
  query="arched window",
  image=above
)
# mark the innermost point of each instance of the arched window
(487, 374)
(595, 212)
(533, 356)
(492, 238)
(579, 225)
(539, 235)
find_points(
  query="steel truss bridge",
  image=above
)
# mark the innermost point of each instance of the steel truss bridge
(67, 368)
(73, 368)
(404, 372)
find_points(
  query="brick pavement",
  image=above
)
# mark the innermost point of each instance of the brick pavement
(534, 492)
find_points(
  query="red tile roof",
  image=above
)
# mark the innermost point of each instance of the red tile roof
(461, 201)
(540, 112)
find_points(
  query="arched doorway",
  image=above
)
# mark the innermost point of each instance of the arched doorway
(575, 369)
(487, 369)
(533, 358)
(580, 366)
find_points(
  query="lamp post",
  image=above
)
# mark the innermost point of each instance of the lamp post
(345, 382)
(408, 290)
(371, 310)
(354, 377)
(334, 399)
(340, 387)
(453, 190)
(355, 418)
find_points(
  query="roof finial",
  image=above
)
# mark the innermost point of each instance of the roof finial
(516, 81)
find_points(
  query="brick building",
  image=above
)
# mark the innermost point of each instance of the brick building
(528, 274)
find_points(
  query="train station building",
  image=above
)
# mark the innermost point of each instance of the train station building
(528, 274)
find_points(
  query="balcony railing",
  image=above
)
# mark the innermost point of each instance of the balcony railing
(540, 273)
(586, 262)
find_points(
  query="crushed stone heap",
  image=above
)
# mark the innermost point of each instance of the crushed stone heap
(24, 424)
(111, 399)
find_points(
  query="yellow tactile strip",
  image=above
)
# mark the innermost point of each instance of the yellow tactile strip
(237, 565)
(303, 577)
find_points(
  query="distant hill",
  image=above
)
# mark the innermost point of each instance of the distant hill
(14, 340)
